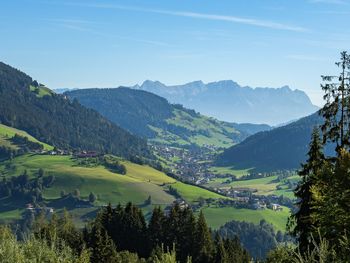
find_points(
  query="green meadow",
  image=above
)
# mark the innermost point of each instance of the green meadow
(229, 170)
(217, 216)
(7, 132)
(137, 185)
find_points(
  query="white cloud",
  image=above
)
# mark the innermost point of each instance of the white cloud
(215, 17)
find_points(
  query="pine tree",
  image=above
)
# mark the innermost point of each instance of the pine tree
(304, 226)
(155, 228)
(172, 227)
(332, 201)
(336, 111)
(186, 238)
(220, 251)
(235, 252)
(203, 251)
(102, 247)
(69, 233)
(92, 197)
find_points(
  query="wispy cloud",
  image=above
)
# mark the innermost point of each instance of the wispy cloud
(214, 17)
(86, 26)
(74, 24)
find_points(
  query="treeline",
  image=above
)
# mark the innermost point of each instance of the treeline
(111, 162)
(114, 165)
(257, 239)
(121, 234)
(25, 189)
(56, 120)
(191, 236)
(23, 144)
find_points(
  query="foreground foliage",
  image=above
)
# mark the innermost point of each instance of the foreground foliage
(322, 221)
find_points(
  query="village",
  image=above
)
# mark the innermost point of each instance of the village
(193, 166)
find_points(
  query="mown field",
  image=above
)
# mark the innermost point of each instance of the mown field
(137, 185)
(220, 170)
(41, 91)
(217, 216)
(262, 186)
(208, 131)
(7, 132)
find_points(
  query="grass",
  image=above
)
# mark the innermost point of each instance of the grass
(137, 185)
(7, 132)
(108, 186)
(208, 131)
(220, 170)
(191, 193)
(263, 186)
(140, 182)
(41, 91)
(217, 216)
(10, 215)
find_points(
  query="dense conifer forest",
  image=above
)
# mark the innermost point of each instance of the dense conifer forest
(56, 120)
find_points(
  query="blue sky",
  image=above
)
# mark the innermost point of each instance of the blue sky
(76, 43)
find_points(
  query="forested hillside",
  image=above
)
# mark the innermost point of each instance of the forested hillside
(54, 119)
(151, 116)
(280, 148)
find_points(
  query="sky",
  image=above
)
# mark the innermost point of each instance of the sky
(109, 43)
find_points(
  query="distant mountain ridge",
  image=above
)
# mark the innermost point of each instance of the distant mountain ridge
(228, 101)
(151, 116)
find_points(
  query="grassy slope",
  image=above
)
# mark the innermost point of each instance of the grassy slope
(41, 91)
(139, 182)
(229, 170)
(215, 129)
(219, 216)
(8, 132)
(264, 186)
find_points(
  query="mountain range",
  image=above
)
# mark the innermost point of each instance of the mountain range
(228, 101)
(153, 117)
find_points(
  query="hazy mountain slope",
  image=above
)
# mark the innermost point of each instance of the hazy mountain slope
(151, 116)
(226, 100)
(280, 148)
(53, 119)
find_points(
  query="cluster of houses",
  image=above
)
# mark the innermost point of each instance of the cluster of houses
(191, 165)
(79, 154)
(38, 210)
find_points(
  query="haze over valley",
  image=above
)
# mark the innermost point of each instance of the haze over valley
(174, 131)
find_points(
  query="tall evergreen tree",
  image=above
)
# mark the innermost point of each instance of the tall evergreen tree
(332, 201)
(172, 227)
(336, 111)
(220, 251)
(155, 228)
(102, 247)
(186, 238)
(235, 252)
(203, 242)
(304, 227)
